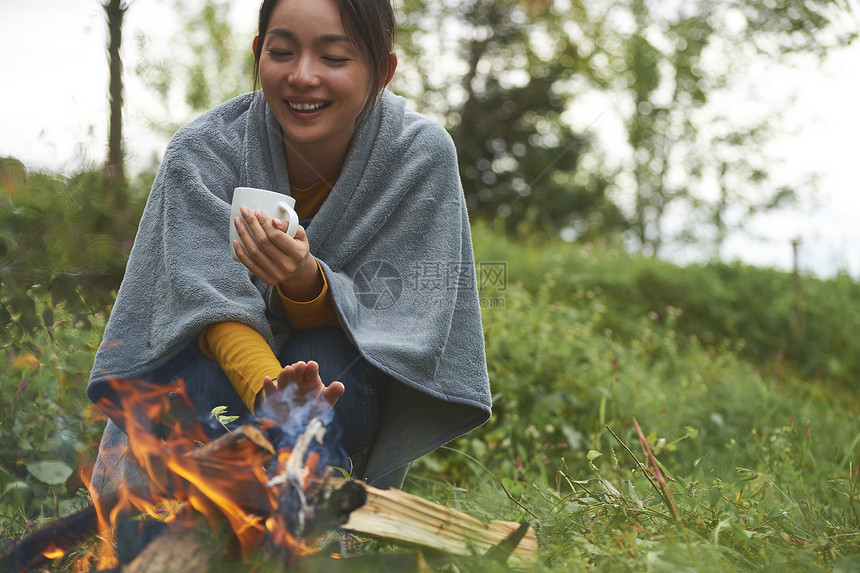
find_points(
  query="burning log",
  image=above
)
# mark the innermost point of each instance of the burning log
(394, 515)
(51, 541)
(187, 553)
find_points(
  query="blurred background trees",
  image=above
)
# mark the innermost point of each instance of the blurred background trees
(115, 166)
(505, 75)
(508, 77)
(209, 63)
(500, 76)
(515, 82)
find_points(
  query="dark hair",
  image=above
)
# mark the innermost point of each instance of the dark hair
(369, 25)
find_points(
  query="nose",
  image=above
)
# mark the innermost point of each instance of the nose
(304, 72)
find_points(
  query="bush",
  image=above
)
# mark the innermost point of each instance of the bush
(760, 312)
(582, 344)
(67, 238)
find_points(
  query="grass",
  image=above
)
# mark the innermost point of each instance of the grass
(758, 450)
(761, 460)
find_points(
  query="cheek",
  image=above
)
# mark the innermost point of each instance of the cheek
(357, 85)
(269, 75)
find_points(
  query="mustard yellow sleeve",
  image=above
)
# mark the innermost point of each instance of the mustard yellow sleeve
(313, 313)
(243, 354)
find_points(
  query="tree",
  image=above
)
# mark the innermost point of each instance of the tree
(667, 63)
(213, 64)
(499, 79)
(114, 168)
(504, 76)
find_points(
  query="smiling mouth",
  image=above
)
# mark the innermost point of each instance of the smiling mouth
(308, 106)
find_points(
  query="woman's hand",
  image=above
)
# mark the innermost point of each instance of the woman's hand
(275, 257)
(306, 375)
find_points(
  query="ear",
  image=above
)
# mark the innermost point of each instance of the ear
(392, 65)
(254, 47)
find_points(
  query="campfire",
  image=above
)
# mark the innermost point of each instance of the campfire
(274, 481)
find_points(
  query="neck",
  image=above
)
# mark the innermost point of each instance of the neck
(306, 167)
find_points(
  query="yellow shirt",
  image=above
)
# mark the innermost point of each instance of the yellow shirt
(241, 351)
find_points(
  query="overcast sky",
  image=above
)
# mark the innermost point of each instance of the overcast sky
(53, 114)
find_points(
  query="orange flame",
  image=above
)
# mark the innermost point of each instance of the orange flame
(54, 553)
(231, 484)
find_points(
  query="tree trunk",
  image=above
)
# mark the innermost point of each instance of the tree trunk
(114, 169)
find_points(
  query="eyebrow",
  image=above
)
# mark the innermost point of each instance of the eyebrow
(326, 39)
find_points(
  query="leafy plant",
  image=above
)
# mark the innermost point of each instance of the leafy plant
(776, 321)
(48, 425)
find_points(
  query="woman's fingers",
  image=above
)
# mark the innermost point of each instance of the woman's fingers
(333, 392)
(304, 374)
(309, 385)
(287, 375)
(268, 251)
(269, 234)
(250, 261)
(269, 387)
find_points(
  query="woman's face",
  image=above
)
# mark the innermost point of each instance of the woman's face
(314, 79)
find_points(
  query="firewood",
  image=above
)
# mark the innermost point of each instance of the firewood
(249, 432)
(181, 551)
(225, 467)
(400, 516)
(60, 535)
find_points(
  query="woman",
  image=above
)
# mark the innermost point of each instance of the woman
(347, 298)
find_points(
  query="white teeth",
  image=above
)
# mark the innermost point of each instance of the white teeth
(306, 106)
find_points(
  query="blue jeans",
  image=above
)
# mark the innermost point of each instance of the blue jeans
(357, 412)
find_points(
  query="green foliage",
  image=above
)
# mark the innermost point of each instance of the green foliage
(48, 425)
(211, 64)
(506, 76)
(220, 414)
(64, 244)
(758, 312)
(786, 27)
(67, 238)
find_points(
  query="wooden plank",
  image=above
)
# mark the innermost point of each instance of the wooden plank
(400, 516)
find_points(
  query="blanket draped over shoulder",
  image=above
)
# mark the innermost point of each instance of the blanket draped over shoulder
(393, 241)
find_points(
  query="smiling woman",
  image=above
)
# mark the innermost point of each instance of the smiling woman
(318, 78)
(376, 186)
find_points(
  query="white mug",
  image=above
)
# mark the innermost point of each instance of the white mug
(275, 205)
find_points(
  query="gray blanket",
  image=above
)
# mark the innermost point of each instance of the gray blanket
(393, 241)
